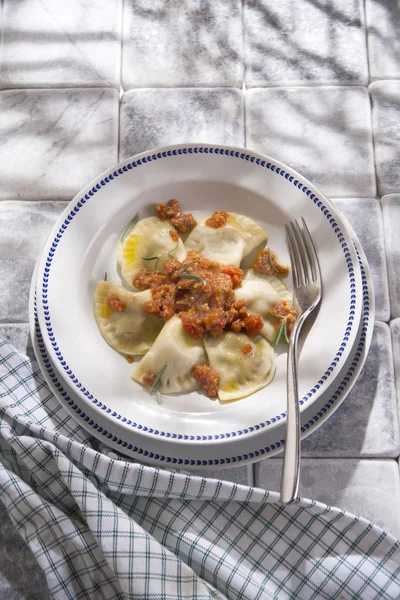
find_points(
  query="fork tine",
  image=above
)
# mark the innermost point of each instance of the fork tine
(294, 269)
(303, 252)
(315, 268)
(294, 255)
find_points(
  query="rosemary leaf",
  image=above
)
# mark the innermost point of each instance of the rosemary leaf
(105, 276)
(156, 382)
(195, 277)
(158, 395)
(130, 226)
(279, 333)
(285, 333)
(156, 258)
(271, 262)
(173, 249)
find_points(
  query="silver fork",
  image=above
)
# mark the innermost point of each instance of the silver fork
(307, 291)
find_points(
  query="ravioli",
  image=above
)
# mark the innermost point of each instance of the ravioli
(131, 331)
(228, 244)
(240, 374)
(224, 244)
(252, 233)
(261, 293)
(149, 239)
(179, 351)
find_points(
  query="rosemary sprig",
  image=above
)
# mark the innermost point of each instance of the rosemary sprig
(105, 276)
(156, 384)
(271, 262)
(282, 331)
(156, 258)
(195, 277)
(286, 333)
(130, 226)
(173, 249)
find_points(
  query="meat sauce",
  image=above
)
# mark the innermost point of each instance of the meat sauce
(208, 379)
(183, 222)
(174, 235)
(286, 311)
(116, 304)
(218, 219)
(268, 264)
(201, 292)
(148, 379)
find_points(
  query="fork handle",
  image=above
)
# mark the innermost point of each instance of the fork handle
(291, 457)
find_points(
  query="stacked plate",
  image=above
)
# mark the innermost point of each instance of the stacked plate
(93, 382)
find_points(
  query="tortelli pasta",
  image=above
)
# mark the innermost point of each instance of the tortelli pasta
(130, 331)
(179, 351)
(261, 293)
(240, 374)
(228, 244)
(149, 241)
(224, 245)
(198, 320)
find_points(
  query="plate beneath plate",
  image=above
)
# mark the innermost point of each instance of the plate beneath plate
(82, 246)
(239, 450)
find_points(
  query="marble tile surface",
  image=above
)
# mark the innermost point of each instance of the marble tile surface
(241, 475)
(391, 221)
(298, 42)
(61, 44)
(365, 217)
(368, 488)
(366, 424)
(180, 44)
(17, 334)
(395, 330)
(151, 118)
(386, 126)
(20, 575)
(322, 132)
(53, 142)
(383, 25)
(24, 227)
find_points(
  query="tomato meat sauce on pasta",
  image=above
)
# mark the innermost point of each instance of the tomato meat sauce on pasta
(195, 317)
(201, 292)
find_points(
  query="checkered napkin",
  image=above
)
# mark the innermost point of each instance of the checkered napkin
(105, 528)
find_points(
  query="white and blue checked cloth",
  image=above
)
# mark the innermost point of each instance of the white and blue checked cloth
(106, 528)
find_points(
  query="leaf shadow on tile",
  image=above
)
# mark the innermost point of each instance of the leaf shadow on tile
(306, 61)
(323, 132)
(383, 20)
(151, 118)
(208, 53)
(59, 53)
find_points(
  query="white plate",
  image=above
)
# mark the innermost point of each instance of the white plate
(239, 450)
(82, 247)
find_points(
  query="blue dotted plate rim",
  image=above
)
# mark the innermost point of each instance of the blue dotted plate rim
(143, 160)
